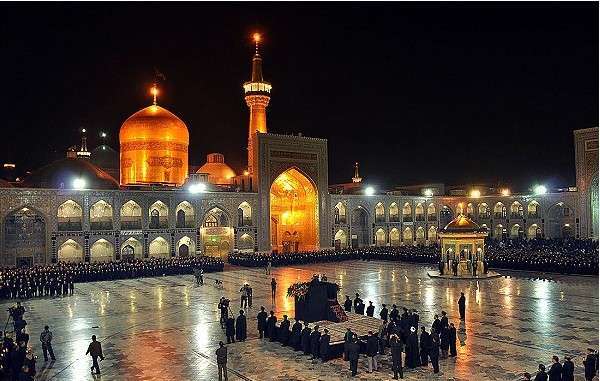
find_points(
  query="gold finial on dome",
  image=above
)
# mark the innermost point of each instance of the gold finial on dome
(256, 38)
(154, 92)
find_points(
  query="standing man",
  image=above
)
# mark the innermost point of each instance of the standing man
(305, 339)
(372, 349)
(240, 327)
(412, 349)
(444, 320)
(347, 341)
(347, 304)
(370, 309)
(230, 329)
(353, 353)
(46, 339)
(244, 297)
(268, 268)
(396, 345)
(568, 368)
(284, 330)
(555, 372)
(434, 354)
(221, 353)
(271, 327)
(296, 335)
(357, 302)
(273, 289)
(590, 365)
(315, 336)
(461, 306)
(95, 350)
(425, 346)
(384, 313)
(261, 319)
(452, 339)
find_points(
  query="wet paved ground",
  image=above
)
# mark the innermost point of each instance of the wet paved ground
(167, 328)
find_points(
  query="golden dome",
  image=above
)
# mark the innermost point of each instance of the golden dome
(462, 224)
(154, 148)
(218, 172)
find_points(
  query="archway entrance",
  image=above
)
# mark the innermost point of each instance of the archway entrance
(294, 213)
(360, 228)
(216, 234)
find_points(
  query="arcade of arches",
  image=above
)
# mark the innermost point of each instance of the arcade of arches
(294, 213)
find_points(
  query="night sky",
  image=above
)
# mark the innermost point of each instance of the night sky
(414, 92)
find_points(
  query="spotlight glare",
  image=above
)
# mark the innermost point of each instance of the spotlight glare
(197, 188)
(369, 191)
(79, 183)
(540, 189)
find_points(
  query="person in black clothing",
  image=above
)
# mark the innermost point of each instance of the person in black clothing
(284, 331)
(357, 301)
(360, 309)
(271, 327)
(568, 368)
(434, 353)
(273, 289)
(541, 374)
(370, 309)
(353, 354)
(261, 320)
(324, 345)
(461, 305)
(296, 335)
(240, 327)
(412, 349)
(445, 341)
(230, 329)
(347, 304)
(555, 372)
(394, 314)
(444, 320)
(436, 326)
(590, 365)
(384, 313)
(305, 339)
(315, 336)
(396, 345)
(425, 346)
(452, 339)
(372, 350)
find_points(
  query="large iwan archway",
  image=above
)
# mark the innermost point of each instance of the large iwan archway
(294, 213)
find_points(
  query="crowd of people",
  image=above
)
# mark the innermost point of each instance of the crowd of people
(59, 279)
(567, 256)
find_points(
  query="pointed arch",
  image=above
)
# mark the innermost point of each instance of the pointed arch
(446, 215)
(24, 234)
(483, 211)
(101, 216)
(244, 214)
(380, 237)
(340, 239)
(406, 212)
(516, 210)
(419, 212)
(407, 236)
(131, 249)
(394, 212)
(379, 212)
(499, 231)
(395, 237)
(533, 231)
(431, 212)
(215, 217)
(420, 235)
(459, 209)
(70, 216)
(159, 248)
(246, 242)
(159, 215)
(432, 234)
(499, 211)
(515, 231)
(359, 232)
(185, 215)
(70, 251)
(102, 251)
(131, 215)
(340, 213)
(533, 209)
(186, 247)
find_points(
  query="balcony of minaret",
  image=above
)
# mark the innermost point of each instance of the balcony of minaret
(257, 88)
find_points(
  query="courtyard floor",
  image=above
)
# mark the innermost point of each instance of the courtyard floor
(168, 328)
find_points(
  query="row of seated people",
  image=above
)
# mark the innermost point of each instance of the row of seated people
(565, 256)
(59, 279)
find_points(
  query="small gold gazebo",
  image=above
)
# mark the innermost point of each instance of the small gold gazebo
(462, 245)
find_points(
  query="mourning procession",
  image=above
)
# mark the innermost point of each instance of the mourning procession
(310, 191)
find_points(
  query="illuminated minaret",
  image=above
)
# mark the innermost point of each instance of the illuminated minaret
(356, 178)
(257, 94)
(83, 151)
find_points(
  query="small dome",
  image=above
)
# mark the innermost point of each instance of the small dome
(462, 224)
(153, 148)
(105, 157)
(218, 172)
(62, 174)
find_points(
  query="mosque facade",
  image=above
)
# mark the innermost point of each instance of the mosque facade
(75, 209)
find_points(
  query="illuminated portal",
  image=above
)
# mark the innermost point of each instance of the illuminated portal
(294, 213)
